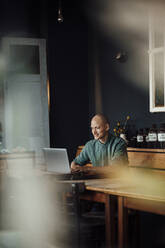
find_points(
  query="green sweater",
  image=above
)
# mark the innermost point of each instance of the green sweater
(100, 154)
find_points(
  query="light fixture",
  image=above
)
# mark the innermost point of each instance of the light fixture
(60, 18)
(121, 57)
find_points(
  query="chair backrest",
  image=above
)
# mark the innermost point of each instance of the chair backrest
(79, 149)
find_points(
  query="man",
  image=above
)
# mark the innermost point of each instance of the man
(105, 149)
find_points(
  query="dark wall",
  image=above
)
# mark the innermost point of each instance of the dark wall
(20, 18)
(68, 71)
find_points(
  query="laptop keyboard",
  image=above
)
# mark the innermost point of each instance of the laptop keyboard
(77, 176)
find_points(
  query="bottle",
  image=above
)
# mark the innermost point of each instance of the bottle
(140, 138)
(152, 136)
(131, 136)
(134, 139)
(146, 138)
(161, 136)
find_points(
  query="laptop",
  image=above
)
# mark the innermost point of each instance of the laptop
(56, 160)
(57, 163)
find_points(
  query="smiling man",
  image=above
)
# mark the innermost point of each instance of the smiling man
(104, 150)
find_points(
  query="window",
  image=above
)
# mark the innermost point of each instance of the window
(24, 110)
(157, 63)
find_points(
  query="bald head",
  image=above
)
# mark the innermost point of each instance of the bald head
(101, 117)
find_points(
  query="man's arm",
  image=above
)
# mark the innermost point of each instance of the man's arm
(78, 163)
(120, 154)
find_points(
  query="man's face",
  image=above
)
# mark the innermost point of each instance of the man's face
(99, 128)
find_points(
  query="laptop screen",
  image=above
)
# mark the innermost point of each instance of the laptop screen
(56, 160)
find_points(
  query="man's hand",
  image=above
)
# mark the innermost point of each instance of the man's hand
(75, 167)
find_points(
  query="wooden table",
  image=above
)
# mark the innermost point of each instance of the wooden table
(96, 191)
(106, 191)
(148, 195)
